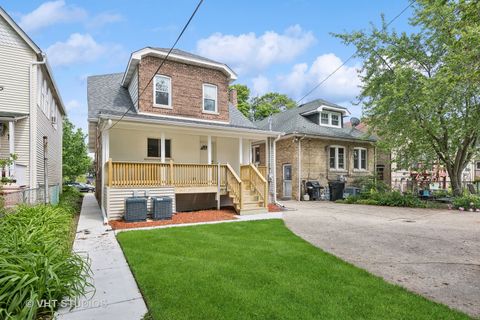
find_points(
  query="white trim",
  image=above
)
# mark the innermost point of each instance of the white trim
(330, 120)
(155, 104)
(136, 56)
(240, 150)
(327, 108)
(336, 167)
(182, 118)
(209, 149)
(203, 98)
(360, 169)
(477, 165)
(252, 158)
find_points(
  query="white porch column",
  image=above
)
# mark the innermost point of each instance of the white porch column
(11, 145)
(209, 150)
(267, 155)
(250, 160)
(240, 150)
(162, 148)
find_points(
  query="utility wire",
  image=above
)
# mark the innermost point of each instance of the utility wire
(161, 64)
(349, 58)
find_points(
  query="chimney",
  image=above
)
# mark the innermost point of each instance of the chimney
(232, 97)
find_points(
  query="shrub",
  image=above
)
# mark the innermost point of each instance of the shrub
(36, 261)
(397, 199)
(467, 201)
(352, 199)
(370, 184)
(371, 202)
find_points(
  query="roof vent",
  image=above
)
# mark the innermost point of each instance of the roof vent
(355, 122)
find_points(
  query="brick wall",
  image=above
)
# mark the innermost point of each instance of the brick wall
(314, 166)
(187, 89)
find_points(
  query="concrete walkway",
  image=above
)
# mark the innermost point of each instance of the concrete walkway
(117, 295)
(435, 253)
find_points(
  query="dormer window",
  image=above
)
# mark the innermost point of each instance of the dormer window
(162, 91)
(330, 118)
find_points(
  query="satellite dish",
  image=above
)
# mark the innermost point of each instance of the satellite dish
(354, 121)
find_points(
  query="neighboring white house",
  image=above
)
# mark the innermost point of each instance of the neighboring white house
(183, 138)
(31, 110)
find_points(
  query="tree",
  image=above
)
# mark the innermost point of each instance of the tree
(270, 103)
(421, 91)
(75, 157)
(243, 98)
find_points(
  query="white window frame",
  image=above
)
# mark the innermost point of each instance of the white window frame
(359, 160)
(155, 104)
(160, 148)
(336, 167)
(254, 150)
(203, 98)
(330, 124)
(477, 165)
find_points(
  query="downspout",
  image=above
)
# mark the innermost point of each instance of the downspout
(274, 170)
(375, 164)
(106, 126)
(32, 163)
(299, 166)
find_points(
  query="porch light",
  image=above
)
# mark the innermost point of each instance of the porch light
(204, 147)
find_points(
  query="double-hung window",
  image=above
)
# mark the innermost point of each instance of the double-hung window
(337, 158)
(478, 165)
(360, 159)
(331, 119)
(162, 91)
(210, 98)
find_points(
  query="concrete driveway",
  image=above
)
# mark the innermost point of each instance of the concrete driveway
(435, 253)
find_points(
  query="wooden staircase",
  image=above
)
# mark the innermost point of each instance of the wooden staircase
(250, 192)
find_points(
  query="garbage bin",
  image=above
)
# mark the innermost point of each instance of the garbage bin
(135, 209)
(161, 208)
(336, 190)
(313, 189)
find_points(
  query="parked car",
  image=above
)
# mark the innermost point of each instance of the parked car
(82, 187)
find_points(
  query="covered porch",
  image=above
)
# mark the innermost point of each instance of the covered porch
(197, 168)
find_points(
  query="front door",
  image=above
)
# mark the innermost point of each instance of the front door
(287, 180)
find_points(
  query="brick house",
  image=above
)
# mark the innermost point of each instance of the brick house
(183, 138)
(316, 145)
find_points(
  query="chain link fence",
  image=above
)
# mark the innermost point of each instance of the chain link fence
(31, 196)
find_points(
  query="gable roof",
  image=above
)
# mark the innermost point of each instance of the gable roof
(293, 121)
(38, 52)
(175, 55)
(108, 98)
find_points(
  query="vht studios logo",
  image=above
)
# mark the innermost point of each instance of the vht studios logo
(68, 303)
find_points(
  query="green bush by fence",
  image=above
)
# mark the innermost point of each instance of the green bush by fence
(37, 265)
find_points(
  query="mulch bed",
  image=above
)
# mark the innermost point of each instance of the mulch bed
(274, 208)
(179, 218)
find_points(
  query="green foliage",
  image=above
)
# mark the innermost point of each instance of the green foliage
(420, 90)
(397, 199)
(370, 184)
(371, 202)
(467, 201)
(271, 103)
(351, 199)
(243, 98)
(36, 261)
(75, 156)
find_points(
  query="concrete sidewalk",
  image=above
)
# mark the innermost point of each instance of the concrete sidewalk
(117, 295)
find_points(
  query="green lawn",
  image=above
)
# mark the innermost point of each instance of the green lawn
(259, 270)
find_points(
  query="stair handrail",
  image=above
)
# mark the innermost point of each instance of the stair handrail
(233, 186)
(254, 172)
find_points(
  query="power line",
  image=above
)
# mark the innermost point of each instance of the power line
(349, 58)
(161, 64)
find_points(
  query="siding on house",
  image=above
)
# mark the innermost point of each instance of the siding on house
(15, 59)
(133, 89)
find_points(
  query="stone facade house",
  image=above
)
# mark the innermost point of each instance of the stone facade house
(169, 126)
(31, 113)
(316, 145)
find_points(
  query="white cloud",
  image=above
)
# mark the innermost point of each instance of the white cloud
(103, 19)
(247, 52)
(72, 105)
(77, 49)
(341, 86)
(261, 85)
(50, 13)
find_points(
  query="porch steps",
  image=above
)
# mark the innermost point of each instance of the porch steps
(251, 201)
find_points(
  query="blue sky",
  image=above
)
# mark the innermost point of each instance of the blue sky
(282, 46)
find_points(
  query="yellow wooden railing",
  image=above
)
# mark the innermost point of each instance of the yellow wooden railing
(136, 174)
(263, 170)
(258, 182)
(234, 186)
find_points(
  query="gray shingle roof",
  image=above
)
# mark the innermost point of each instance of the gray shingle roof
(292, 121)
(106, 96)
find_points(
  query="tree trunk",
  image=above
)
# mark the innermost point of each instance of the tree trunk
(455, 181)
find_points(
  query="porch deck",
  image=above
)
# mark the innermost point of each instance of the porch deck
(249, 191)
